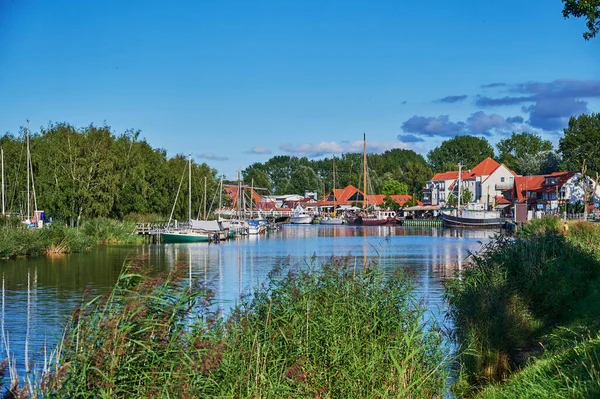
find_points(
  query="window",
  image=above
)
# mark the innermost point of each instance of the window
(502, 180)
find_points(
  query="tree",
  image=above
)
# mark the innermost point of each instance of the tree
(389, 203)
(524, 152)
(466, 196)
(394, 187)
(589, 9)
(451, 200)
(468, 150)
(580, 149)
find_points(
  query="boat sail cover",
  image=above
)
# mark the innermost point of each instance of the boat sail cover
(206, 225)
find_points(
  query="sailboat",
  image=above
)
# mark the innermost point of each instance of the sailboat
(335, 220)
(196, 232)
(375, 217)
(470, 218)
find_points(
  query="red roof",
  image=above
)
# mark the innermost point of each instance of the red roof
(232, 193)
(446, 175)
(485, 167)
(528, 183)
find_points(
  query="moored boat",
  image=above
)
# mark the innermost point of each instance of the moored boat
(472, 219)
(301, 216)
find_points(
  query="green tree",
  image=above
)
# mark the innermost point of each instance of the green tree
(580, 149)
(466, 196)
(451, 200)
(468, 150)
(589, 9)
(394, 187)
(389, 203)
(524, 153)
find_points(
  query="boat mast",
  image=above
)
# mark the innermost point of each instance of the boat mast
(190, 190)
(220, 198)
(333, 175)
(205, 179)
(459, 173)
(27, 140)
(365, 170)
(3, 210)
(251, 191)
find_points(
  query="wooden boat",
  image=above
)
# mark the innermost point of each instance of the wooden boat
(378, 218)
(472, 219)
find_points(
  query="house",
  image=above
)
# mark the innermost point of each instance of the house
(549, 192)
(485, 181)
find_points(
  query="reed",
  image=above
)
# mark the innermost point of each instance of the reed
(515, 293)
(318, 332)
(111, 231)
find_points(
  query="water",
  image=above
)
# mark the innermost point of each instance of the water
(39, 294)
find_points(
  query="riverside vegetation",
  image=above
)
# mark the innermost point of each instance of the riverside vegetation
(16, 240)
(527, 315)
(322, 331)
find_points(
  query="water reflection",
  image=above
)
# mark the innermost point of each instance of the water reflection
(39, 294)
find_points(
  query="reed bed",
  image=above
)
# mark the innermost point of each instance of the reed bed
(514, 296)
(16, 240)
(330, 331)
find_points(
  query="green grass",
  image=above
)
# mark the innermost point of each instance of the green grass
(518, 297)
(324, 332)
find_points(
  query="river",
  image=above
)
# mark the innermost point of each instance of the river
(39, 294)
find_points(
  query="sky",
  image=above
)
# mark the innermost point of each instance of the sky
(238, 82)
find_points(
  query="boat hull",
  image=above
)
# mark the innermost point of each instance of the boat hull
(332, 221)
(184, 237)
(365, 221)
(463, 222)
(303, 219)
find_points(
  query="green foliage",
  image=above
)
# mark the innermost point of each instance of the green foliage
(54, 239)
(92, 172)
(332, 331)
(515, 291)
(580, 148)
(589, 9)
(389, 203)
(286, 174)
(394, 187)
(468, 150)
(452, 200)
(110, 231)
(466, 196)
(525, 153)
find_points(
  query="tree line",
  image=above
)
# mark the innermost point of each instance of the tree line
(94, 172)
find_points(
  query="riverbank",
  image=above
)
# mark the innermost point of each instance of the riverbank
(527, 315)
(16, 240)
(331, 330)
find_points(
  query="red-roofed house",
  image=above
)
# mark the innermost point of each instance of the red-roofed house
(485, 181)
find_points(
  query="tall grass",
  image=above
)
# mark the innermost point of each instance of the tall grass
(111, 231)
(16, 240)
(325, 332)
(514, 293)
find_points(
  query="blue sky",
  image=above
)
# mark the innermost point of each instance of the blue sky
(237, 82)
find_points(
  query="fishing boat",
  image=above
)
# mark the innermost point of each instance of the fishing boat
(470, 218)
(372, 217)
(301, 216)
